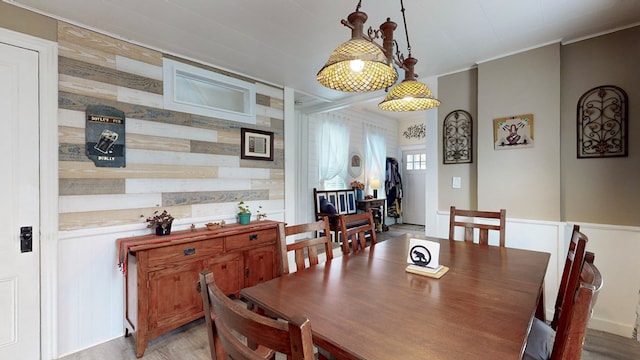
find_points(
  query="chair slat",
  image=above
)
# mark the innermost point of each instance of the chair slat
(355, 229)
(224, 318)
(318, 235)
(471, 220)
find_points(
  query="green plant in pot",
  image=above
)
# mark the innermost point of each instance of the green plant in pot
(244, 214)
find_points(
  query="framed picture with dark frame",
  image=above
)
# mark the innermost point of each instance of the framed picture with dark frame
(256, 144)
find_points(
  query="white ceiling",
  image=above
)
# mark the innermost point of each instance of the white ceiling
(286, 42)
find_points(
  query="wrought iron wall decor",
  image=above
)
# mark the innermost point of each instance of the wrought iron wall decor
(603, 122)
(417, 131)
(457, 132)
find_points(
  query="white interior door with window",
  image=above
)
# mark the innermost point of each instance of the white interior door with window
(414, 166)
(19, 189)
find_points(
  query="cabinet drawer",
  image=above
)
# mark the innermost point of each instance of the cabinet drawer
(252, 238)
(184, 251)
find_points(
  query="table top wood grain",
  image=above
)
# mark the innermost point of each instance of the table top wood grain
(365, 306)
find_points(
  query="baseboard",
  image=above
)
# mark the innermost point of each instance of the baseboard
(623, 330)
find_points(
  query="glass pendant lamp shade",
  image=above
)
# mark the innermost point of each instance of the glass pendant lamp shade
(357, 65)
(410, 94)
(361, 65)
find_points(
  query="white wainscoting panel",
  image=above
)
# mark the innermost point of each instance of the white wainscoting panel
(616, 251)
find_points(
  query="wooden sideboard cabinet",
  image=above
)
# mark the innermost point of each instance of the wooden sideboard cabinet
(161, 273)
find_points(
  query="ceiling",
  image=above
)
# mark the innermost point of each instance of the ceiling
(286, 42)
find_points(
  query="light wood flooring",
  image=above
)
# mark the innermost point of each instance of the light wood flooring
(190, 341)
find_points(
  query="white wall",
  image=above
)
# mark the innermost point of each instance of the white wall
(309, 170)
(616, 249)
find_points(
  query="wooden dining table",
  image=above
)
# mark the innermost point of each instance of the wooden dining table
(366, 306)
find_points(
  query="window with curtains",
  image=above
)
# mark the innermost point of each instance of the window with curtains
(375, 157)
(333, 151)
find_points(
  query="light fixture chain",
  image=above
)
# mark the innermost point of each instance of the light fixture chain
(404, 19)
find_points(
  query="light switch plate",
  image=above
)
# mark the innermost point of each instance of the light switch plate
(455, 182)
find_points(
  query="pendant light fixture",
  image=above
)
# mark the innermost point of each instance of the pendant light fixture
(361, 65)
(410, 94)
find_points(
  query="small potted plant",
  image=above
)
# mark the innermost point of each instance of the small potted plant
(161, 222)
(244, 214)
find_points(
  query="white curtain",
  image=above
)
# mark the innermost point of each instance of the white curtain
(375, 155)
(333, 150)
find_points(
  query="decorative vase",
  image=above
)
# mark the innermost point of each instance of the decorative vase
(161, 231)
(358, 194)
(244, 219)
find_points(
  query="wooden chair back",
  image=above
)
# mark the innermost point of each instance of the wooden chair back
(263, 336)
(571, 272)
(468, 219)
(306, 250)
(356, 229)
(577, 311)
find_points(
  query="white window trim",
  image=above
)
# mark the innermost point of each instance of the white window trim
(172, 68)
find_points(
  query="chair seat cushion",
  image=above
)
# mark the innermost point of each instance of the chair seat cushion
(540, 341)
(335, 226)
(327, 207)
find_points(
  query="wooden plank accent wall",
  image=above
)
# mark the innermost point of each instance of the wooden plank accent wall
(188, 164)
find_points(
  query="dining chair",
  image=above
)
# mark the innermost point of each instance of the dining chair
(565, 343)
(481, 220)
(318, 235)
(356, 229)
(571, 273)
(261, 337)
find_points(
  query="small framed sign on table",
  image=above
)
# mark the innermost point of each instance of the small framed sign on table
(256, 144)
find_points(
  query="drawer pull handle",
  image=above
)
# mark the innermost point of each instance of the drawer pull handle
(253, 237)
(189, 251)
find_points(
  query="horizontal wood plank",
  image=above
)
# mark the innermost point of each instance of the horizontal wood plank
(84, 70)
(87, 170)
(74, 186)
(91, 39)
(208, 197)
(80, 220)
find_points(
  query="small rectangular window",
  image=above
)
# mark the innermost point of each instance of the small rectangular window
(416, 161)
(198, 91)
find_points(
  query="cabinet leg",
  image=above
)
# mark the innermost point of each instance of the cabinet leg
(126, 332)
(141, 346)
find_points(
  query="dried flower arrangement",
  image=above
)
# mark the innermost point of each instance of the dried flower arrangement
(357, 185)
(261, 215)
(163, 220)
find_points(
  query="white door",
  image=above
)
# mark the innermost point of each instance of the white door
(414, 168)
(20, 194)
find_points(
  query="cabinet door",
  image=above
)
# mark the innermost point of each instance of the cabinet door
(173, 296)
(228, 272)
(260, 265)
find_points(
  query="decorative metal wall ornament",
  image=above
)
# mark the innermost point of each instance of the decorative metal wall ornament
(457, 137)
(603, 122)
(417, 131)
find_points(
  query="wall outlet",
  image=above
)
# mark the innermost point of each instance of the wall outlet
(455, 182)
